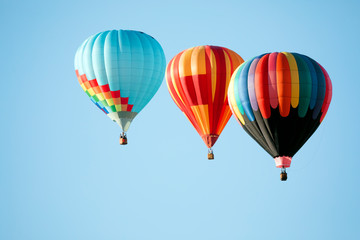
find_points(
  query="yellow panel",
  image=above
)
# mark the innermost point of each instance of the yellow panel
(295, 88)
(167, 83)
(238, 115)
(213, 74)
(185, 63)
(91, 91)
(235, 59)
(198, 118)
(110, 102)
(198, 63)
(118, 108)
(100, 96)
(204, 110)
(173, 80)
(83, 87)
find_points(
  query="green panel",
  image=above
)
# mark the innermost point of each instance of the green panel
(87, 93)
(104, 103)
(304, 85)
(113, 108)
(96, 98)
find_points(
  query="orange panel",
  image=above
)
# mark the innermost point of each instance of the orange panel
(283, 77)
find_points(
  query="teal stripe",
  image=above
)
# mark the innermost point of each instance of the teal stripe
(154, 70)
(78, 58)
(321, 89)
(243, 91)
(314, 81)
(87, 64)
(236, 89)
(97, 58)
(112, 59)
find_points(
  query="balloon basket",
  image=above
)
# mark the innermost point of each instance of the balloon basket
(210, 155)
(283, 175)
(123, 140)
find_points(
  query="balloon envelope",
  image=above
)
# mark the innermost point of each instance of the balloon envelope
(120, 70)
(198, 79)
(280, 99)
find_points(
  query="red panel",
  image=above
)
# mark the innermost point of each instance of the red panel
(105, 88)
(115, 94)
(209, 90)
(189, 90)
(273, 96)
(201, 85)
(261, 86)
(125, 100)
(83, 78)
(328, 94)
(93, 83)
(129, 107)
(220, 84)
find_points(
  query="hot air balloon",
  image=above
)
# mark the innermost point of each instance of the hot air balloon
(120, 70)
(280, 99)
(198, 79)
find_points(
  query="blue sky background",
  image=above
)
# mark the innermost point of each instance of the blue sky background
(63, 174)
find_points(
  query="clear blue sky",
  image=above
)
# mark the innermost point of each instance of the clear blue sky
(63, 174)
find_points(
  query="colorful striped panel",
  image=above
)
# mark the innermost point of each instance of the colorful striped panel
(292, 96)
(197, 79)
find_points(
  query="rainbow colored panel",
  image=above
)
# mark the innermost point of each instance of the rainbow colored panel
(280, 99)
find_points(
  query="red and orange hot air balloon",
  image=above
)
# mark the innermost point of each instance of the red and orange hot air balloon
(198, 80)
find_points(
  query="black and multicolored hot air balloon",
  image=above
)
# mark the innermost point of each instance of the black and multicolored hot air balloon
(120, 70)
(198, 79)
(280, 99)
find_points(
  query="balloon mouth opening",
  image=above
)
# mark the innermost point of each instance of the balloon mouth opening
(283, 161)
(210, 139)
